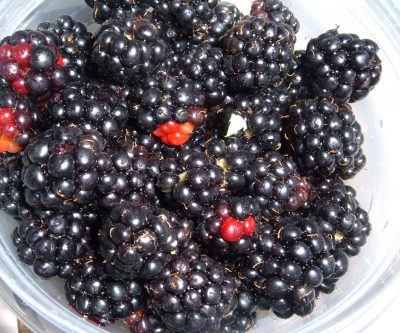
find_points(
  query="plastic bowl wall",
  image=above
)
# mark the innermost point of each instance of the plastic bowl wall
(373, 278)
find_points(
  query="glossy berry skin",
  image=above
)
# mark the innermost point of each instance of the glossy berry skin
(93, 106)
(231, 229)
(193, 294)
(266, 63)
(100, 297)
(54, 243)
(31, 62)
(343, 66)
(60, 170)
(325, 138)
(274, 10)
(128, 49)
(19, 121)
(137, 242)
(12, 199)
(75, 45)
(161, 98)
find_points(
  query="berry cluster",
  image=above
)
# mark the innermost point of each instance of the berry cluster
(184, 165)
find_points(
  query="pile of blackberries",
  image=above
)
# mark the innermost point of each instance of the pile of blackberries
(184, 166)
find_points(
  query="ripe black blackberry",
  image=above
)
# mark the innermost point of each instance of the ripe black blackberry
(204, 64)
(93, 106)
(258, 53)
(135, 241)
(336, 203)
(126, 172)
(193, 294)
(127, 49)
(12, 200)
(113, 9)
(244, 317)
(229, 226)
(298, 82)
(20, 120)
(75, 45)
(61, 168)
(163, 97)
(211, 31)
(292, 257)
(262, 113)
(343, 66)
(276, 11)
(325, 138)
(55, 243)
(101, 298)
(277, 185)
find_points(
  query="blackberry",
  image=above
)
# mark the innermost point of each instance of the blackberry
(135, 241)
(32, 63)
(229, 226)
(113, 9)
(257, 53)
(92, 106)
(276, 11)
(164, 98)
(19, 121)
(277, 185)
(128, 49)
(61, 168)
(55, 243)
(75, 45)
(101, 298)
(205, 65)
(224, 16)
(244, 317)
(193, 294)
(298, 82)
(291, 259)
(336, 203)
(12, 200)
(261, 112)
(126, 173)
(343, 66)
(325, 138)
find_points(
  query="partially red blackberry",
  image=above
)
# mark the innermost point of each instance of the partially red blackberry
(19, 121)
(162, 101)
(55, 243)
(128, 48)
(32, 63)
(101, 298)
(277, 185)
(325, 138)
(193, 294)
(343, 66)
(12, 200)
(136, 241)
(92, 106)
(258, 53)
(61, 168)
(204, 64)
(75, 45)
(276, 11)
(228, 226)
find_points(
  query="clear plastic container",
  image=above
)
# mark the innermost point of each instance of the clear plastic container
(372, 282)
